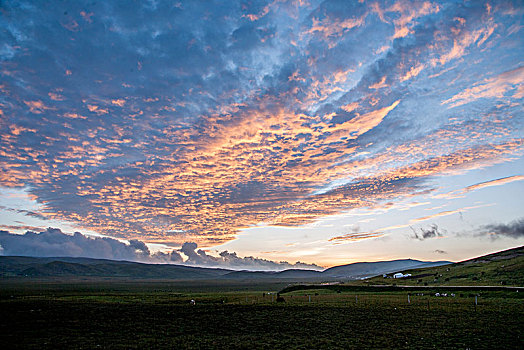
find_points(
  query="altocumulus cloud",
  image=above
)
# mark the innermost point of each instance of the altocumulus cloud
(209, 117)
(55, 243)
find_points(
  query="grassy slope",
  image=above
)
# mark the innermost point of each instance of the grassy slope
(502, 268)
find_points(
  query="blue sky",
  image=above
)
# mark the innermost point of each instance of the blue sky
(320, 131)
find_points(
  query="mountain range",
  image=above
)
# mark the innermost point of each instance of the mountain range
(19, 266)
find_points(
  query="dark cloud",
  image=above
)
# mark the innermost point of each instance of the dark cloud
(54, 243)
(170, 257)
(139, 246)
(514, 229)
(25, 212)
(232, 260)
(422, 233)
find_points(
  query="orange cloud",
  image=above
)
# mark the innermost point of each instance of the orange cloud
(409, 12)
(350, 107)
(55, 97)
(464, 40)
(356, 236)
(97, 110)
(37, 107)
(328, 28)
(495, 87)
(446, 213)
(496, 182)
(380, 84)
(363, 123)
(256, 17)
(119, 102)
(413, 72)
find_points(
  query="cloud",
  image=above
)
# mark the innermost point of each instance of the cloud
(356, 236)
(232, 260)
(23, 227)
(432, 232)
(206, 118)
(52, 242)
(448, 212)
(514, 229)
(439, 251)
(496, 182)
(496, 87)
(480, 185)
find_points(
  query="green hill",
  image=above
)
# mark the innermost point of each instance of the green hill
(501, 268)
(362, 270)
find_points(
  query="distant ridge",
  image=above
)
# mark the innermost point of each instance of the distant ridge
(11, 266)
(368, 269)
(68, 267)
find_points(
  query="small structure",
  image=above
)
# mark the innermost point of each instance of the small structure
(401, 275)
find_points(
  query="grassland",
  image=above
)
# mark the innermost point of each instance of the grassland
(380, 313)
(504, 268)
(139, 315)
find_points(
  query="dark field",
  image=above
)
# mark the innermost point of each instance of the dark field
(92, 315)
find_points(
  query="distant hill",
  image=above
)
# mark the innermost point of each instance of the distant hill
(67, 267)
(501, 268)
(290, 274)
(368, 269)
(11, 266)
(343, 272)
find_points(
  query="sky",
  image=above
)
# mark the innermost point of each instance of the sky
(326, 132)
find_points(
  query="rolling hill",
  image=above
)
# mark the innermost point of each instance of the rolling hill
(68, 267)
(368, 269)
(501, 268)
(16, 266)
